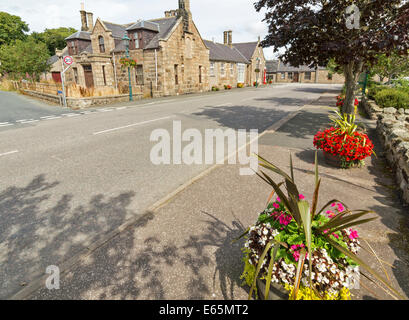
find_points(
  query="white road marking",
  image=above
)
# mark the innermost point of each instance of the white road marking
(24, 120)
(131, 125)
(6, 124)
(29, 121)
(71, 114)
(121, 108)
(52, 118)
(47, 117)
(105, 110)
(225, 105)
(7, 153)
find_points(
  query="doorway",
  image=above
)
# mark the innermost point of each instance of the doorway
(296, 77)
(89, 78)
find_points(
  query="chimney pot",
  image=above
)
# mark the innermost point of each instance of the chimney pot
(90, 18)
(225, 38)
(230, 38)
(84, 25)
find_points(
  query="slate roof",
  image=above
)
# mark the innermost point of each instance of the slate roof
(246, 48)
(82, 35)
(163, 25)
(221, 52)
(148, 25)
(55, 58)
(274, 66)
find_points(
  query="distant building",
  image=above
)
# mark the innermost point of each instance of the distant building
(278, 71)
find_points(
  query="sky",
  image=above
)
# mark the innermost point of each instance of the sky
(212, 17)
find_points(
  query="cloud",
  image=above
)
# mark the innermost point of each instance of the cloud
(212, 17)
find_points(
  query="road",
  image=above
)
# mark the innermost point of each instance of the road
(70, 178)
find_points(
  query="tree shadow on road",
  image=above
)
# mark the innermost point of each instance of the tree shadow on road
(243, 117)
(35, 234)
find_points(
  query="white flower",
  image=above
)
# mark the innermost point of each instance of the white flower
(275, 233)
(321, 267)
(265, 232)
(333, 269)
(325, 280)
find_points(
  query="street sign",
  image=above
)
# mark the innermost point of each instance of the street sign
(68, 60)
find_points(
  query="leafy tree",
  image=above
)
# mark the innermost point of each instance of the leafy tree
(11, 28)
(314, 31)
(24, 57)
(392, 66)
(53, 38)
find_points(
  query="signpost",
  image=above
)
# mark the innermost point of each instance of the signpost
(68, 61)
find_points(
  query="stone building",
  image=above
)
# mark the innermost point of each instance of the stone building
(278, 71)
(171, 56)
(256, 70)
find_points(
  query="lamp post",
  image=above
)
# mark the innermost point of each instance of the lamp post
(126, 40)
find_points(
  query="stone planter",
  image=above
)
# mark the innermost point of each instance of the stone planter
(277, 292)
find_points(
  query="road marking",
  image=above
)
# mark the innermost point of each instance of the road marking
(24, 120)
(52, 118)
(105, 110)
(8, 153)
(131, 125)
(5, 124)
(121, 108)
(71, 114)
(29, 121)
(47, 117)
(225, 105)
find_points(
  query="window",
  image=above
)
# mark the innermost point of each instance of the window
(176, 75)
(73, 48)
(212, 69)
(200, 74)
(136, 40)
(222, 69)
(139, 74)
(282, 75)
(231, 69)
(104, 75)
(290, 75)
(307, 76)
(101, 44)
(188, 48)
(75, 75)
(241, 69)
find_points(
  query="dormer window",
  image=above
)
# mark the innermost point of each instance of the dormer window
(136, 40)
(101, 44)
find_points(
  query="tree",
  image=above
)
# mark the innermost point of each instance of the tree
(314, 31)
(24, 57)
(53, 38)
(392, 66)
(11, 28)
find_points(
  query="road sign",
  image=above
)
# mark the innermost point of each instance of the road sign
(68, 60)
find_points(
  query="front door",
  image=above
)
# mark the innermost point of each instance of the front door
(89, 78)
(296, 77)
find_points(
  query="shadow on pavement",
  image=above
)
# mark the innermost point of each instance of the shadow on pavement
(34, 235)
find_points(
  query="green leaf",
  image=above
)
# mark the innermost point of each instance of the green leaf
(270, 271)
(300, 267)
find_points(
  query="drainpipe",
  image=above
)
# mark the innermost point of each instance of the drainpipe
(156, 69)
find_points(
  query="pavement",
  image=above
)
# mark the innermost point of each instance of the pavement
(70, 184)
(183, 248)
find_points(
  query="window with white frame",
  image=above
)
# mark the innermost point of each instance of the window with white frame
(307, 76)
(290, 75)
(241, 70)
(212, 74)
(222, 69)
(231, 69)
(282, 75)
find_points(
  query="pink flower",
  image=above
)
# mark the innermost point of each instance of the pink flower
(278, 199)
(276, 205)
(335, 235)
(333, 205)
(353, 234)
(302, 197)
(341, 208)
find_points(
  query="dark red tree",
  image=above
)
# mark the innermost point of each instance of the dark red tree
(314, 31)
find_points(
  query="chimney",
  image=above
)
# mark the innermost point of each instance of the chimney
(230, 38)
(225, 38)
(84, 25)
(90, 18)
(167, 14)
(184, 11)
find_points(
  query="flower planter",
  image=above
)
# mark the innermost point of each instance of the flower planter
(335, 161)
(277, 292)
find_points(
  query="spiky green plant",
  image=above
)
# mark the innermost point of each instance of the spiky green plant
(303, 213)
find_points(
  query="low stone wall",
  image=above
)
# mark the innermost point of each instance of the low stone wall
(393, 128)
(82, 103)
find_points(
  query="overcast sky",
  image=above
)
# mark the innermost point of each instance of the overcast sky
(212, 17)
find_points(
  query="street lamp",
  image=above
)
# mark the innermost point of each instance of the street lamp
(126, 40)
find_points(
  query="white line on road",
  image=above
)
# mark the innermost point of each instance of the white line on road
(7, 153)
(24, 120)
(121, 108)
(71, 114)
(6, 124)
(131, 125)
(52, 118)
(29, 121)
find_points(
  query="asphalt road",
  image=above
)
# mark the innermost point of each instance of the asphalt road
(71, 177)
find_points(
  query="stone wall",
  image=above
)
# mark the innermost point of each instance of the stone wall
(82, 103)
(393, 129)
(229, 77)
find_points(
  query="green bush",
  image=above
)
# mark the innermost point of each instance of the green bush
(374, 89)
(394, 98)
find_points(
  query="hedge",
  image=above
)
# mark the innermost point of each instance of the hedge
(394, 98)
